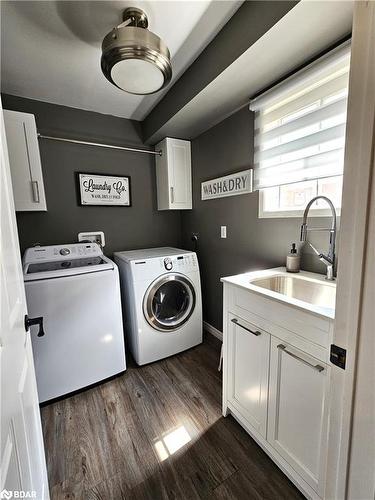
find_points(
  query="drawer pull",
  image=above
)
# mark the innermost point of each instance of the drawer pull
(256, 333)
(319, 368)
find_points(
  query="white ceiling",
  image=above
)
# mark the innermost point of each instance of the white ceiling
(305, 31)
(50, 50)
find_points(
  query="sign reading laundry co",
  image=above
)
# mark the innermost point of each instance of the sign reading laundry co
(98, 189)
(230, 185)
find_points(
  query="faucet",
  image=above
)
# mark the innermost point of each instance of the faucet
(327, 259)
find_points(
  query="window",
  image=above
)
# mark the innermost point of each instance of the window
(299, 138)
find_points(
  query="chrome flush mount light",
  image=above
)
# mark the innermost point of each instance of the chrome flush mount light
(135, 59)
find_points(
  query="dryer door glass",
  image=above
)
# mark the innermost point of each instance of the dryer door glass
(169, 302)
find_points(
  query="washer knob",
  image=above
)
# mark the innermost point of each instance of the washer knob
(168, 263)
(64, 251)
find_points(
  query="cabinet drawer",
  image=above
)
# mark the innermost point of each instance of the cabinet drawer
(248, 368)
(276, 316)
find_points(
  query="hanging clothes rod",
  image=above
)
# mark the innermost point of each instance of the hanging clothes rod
(99, 144)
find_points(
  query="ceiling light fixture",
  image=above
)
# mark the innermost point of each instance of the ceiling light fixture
(135, 59)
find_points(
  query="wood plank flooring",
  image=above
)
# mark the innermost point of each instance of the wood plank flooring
(154, 433)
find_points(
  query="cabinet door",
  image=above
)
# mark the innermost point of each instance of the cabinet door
(179, 173)
(297, 418)
(24, 159)
(248, 358)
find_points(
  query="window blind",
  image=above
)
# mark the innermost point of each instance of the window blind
(300, 124)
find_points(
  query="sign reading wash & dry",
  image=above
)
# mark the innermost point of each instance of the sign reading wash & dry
(230, 185)
(98, 189)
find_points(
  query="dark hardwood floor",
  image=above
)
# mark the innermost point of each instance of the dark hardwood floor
(157, 433)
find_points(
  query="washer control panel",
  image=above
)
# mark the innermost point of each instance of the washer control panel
(61, 252)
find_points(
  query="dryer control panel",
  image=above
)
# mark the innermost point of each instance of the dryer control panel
(180, 263)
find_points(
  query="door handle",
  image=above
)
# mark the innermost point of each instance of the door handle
(35, 188)
(35, 321)
(172, 195)
(256, 333)
(319, 368)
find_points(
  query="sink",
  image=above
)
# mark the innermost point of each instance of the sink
(313, 292)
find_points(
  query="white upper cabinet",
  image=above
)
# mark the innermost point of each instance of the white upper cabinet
(173, 175)
(24, 158)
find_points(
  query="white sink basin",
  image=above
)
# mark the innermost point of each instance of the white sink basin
(313, 292)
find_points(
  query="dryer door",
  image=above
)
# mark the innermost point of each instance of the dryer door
(169, 302)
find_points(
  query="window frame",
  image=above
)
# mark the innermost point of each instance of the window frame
(289, 214)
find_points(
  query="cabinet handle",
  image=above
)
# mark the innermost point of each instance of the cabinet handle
(319, 368)
(35, 188)
(256, 333)
(172, 195)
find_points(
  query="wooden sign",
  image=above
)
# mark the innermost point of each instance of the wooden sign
(230, 185)
(105, 190)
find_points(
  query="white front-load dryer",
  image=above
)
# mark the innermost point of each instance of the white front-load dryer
(162, 304)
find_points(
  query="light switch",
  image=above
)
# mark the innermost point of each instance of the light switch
(223, 231)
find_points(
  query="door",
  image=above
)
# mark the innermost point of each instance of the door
(297, 418)
(179, 167)
(24, 158)
(248, 358)
(169, 302)
(22, 452)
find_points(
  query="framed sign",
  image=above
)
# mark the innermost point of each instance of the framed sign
(230, 185)
(105, 190)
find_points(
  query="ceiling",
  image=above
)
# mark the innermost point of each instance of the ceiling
(50, 50)
(304, 32)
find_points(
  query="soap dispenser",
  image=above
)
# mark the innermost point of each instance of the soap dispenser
(293, 260)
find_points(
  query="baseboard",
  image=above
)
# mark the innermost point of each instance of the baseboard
(212, 330)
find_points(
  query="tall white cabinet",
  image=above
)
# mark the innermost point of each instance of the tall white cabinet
(173, 174)
(25, 164)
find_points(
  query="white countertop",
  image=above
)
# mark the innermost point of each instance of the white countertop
(243, 281)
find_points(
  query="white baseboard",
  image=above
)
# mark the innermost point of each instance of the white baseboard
(212, 330)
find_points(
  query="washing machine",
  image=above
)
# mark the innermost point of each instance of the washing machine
(162, 304)
(75, 290)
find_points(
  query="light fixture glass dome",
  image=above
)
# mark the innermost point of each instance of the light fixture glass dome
(135, 59)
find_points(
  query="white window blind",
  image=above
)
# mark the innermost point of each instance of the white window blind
(300, 124)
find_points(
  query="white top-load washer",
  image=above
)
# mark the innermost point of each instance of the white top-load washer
(75, 288)
(162, 303)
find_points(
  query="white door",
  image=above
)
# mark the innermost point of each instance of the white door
(297, 418)
(24, 158)
(248, 358)
(22, 452)
(179, 165)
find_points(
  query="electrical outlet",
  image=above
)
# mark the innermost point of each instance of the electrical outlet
(223, 231)
(93, 236)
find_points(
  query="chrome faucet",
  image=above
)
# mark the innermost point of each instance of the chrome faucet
(327, 259)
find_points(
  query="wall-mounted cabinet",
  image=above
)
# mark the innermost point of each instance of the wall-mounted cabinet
(173, 175)
(24, 159)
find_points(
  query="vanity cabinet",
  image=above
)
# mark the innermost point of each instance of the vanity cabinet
(248, 359)
(297, 413)
(24, 159)
(173, 174)
(276, 377)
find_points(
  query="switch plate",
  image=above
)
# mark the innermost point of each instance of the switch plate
(93, 236)
(223, 231)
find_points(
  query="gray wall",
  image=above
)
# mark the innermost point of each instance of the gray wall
(135, 227)
(251, 243)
